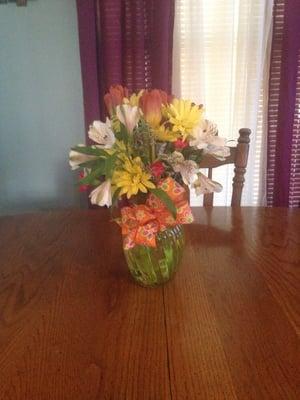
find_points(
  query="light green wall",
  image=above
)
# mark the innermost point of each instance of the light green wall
(41, 111)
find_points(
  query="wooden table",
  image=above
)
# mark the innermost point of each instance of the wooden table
(73, 325)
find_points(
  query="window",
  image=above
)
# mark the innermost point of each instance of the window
(220, 59)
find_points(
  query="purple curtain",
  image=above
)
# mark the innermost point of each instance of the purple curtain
(283, 174)
(127, 42)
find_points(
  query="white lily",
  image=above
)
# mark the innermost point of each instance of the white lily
(128, 115)
(102, 194)
(187, 168)
(102, 133)
(203, 133)
(206, 139)
(204, 185)
(76, 158)
(219, 152)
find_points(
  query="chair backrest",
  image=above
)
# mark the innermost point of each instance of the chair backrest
(238, 157)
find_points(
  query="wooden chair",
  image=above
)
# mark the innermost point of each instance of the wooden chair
(238, 157)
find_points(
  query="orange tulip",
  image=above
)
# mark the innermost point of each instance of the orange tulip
(151, 104)
(115, 97)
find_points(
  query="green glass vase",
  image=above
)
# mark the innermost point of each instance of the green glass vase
(153, 266)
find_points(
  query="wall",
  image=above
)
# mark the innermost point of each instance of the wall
(41, 111)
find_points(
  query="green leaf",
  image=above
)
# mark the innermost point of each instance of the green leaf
(115, 197)
(91, 151)
(165, 198)
(98, 163)
(90, 178)
(192, 153)
(123, 134)
(110, 165)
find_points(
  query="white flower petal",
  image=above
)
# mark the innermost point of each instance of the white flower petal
(204, 185)
(76, 158)
(102, 194)
(102, 133)
(219, 152)
(206, 139)
(128, 115)
(187, 169)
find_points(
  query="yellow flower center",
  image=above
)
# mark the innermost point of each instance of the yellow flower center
(184, 116)
(131, 178)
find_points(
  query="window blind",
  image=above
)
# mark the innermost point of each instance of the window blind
(294, 194)
(273, 109)
(219, 57)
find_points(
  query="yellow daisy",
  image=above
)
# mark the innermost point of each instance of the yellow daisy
(184, 116)
(134, 99)
(165, 135)
(132, 178)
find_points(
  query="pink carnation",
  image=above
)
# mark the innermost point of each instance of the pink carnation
(180, 144)
(157, 169)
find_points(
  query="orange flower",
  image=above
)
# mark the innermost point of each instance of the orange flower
(151, 103)
(115, 97)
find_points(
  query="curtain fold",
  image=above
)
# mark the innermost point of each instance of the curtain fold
(89, 57)
(126, 42)
(283, 173)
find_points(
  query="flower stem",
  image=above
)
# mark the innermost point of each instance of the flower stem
(153, 156)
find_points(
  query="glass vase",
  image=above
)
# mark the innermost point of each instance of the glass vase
(153, 266)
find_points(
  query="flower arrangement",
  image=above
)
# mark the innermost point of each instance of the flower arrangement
(143, 155)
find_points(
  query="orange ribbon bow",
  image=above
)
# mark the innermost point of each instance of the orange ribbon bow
(141, 223)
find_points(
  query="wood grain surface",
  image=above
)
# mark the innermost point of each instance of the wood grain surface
(73, 325)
